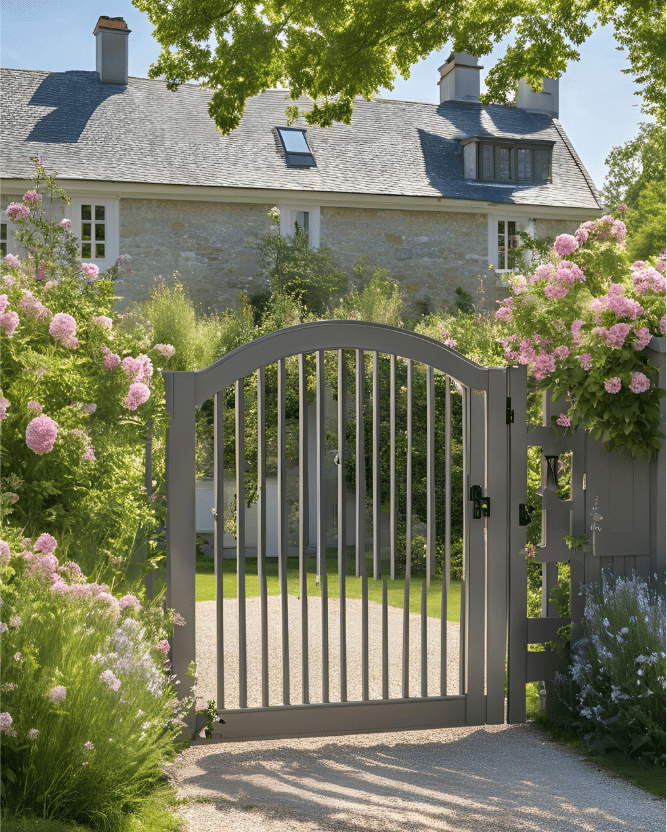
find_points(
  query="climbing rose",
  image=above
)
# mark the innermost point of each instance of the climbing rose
(563, 421)
(613, 384)
(41, 433)
(63, 329)
(46, 544)
(639, 383)
(17, 211)
(136, 395)
(565, 244)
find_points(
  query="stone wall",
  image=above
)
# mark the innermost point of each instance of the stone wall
(429, 253)
(212, 245)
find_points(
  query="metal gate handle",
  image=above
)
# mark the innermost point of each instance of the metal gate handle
(482, 505)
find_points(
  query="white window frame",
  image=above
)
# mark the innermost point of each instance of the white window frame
(112, 223)
(293, 214)
(522, 224)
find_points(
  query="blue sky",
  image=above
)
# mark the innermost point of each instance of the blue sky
(597, 106)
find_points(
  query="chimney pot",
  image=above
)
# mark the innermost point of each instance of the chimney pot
(544, 103)
(111, 36)
(460, 78)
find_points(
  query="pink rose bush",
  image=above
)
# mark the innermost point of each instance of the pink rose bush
(591, 316)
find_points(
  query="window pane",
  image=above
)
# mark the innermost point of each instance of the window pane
(99, 212)
(3, 248)
(86, 212)
(501, 245)
(86, 230)
(503, 169)
(524, 167)
(85, 250)
(295, 141)
(542, 165)
(99, 231)
(487, 161)
(512, 244)
(3, 231)
(99, 250)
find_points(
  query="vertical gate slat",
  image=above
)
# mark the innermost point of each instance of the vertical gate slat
(497, 545)
(476, 578)
(377, 564)
(405, 686)
(393, 521)
(385, 641)
(321, 519)
(240, 540)
(424, 644)
(282, 527)
(408, 467)
(261, 529)
(342, 519)
(219, 540)
(360, 466)
(149, 577)
(518, 584)
(465, 446)
(447, 561)
(364, 636)
(303, 523)
(430, 476)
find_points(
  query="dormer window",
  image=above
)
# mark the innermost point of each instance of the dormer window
(523, 163)
(295, 145)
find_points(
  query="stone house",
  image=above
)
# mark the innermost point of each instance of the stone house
(435, 194)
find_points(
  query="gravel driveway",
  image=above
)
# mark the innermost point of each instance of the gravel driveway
(488, 779)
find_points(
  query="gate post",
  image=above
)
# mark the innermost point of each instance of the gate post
(180, 537)
(518, 581)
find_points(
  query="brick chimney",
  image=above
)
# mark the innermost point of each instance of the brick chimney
(460, 78)
(111, 34)
(544, 103)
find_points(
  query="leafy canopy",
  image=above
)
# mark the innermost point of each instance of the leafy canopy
(334, 50)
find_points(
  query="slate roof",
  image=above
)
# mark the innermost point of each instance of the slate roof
(144, 133)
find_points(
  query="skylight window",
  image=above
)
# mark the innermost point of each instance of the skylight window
(295, 145)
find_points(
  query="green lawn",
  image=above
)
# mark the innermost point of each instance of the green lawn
(205, 583)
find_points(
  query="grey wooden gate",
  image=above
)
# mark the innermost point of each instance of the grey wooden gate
(493, 596)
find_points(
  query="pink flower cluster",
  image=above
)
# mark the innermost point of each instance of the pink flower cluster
(17, 211)
(63, 329)
(138, 369)
(137, 395)
(33, 306)
(6, 724)
(89, 448)
(647, 279)
(11, 261)
(165, 350)
(103, 320)
(8, 320)
(46, 544)
(563, 421)
(41, 434)
(5, 554)
(613, 384)
(111, 360)
(4, 404)
(586, 360)
(90, 271)
(545, 363)
(565, 245)
(32, 198)
(640, 383)
(506, 311)
(621, 306)
(447, 340)
(57, 694)
(643, 338)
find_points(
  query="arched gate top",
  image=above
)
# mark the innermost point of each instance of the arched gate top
(335, 335)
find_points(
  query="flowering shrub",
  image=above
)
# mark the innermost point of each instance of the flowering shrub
(88, 707)
(78, 388)
(619, 668)
(580, 325)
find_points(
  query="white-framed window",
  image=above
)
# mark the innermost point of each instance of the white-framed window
(95, 222)
(307, 217)
(504, 240)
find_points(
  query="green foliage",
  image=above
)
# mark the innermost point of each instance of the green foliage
(378, 298)
(310, 276)
(333, 53)
(89, 713)
(636, 178)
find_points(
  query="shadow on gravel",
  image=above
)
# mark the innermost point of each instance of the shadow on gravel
(504, 779)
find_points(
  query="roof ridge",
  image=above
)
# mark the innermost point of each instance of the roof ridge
(579, 163)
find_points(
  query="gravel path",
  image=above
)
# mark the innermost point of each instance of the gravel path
(488, 779)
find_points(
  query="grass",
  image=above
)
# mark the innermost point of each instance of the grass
(205, 583)
(651, 779)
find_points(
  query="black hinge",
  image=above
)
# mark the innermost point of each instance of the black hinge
(481, 505)
(509, 413)
(525, 514)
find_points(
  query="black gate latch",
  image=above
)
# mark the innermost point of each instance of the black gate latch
(525, 514)
(482, 505)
